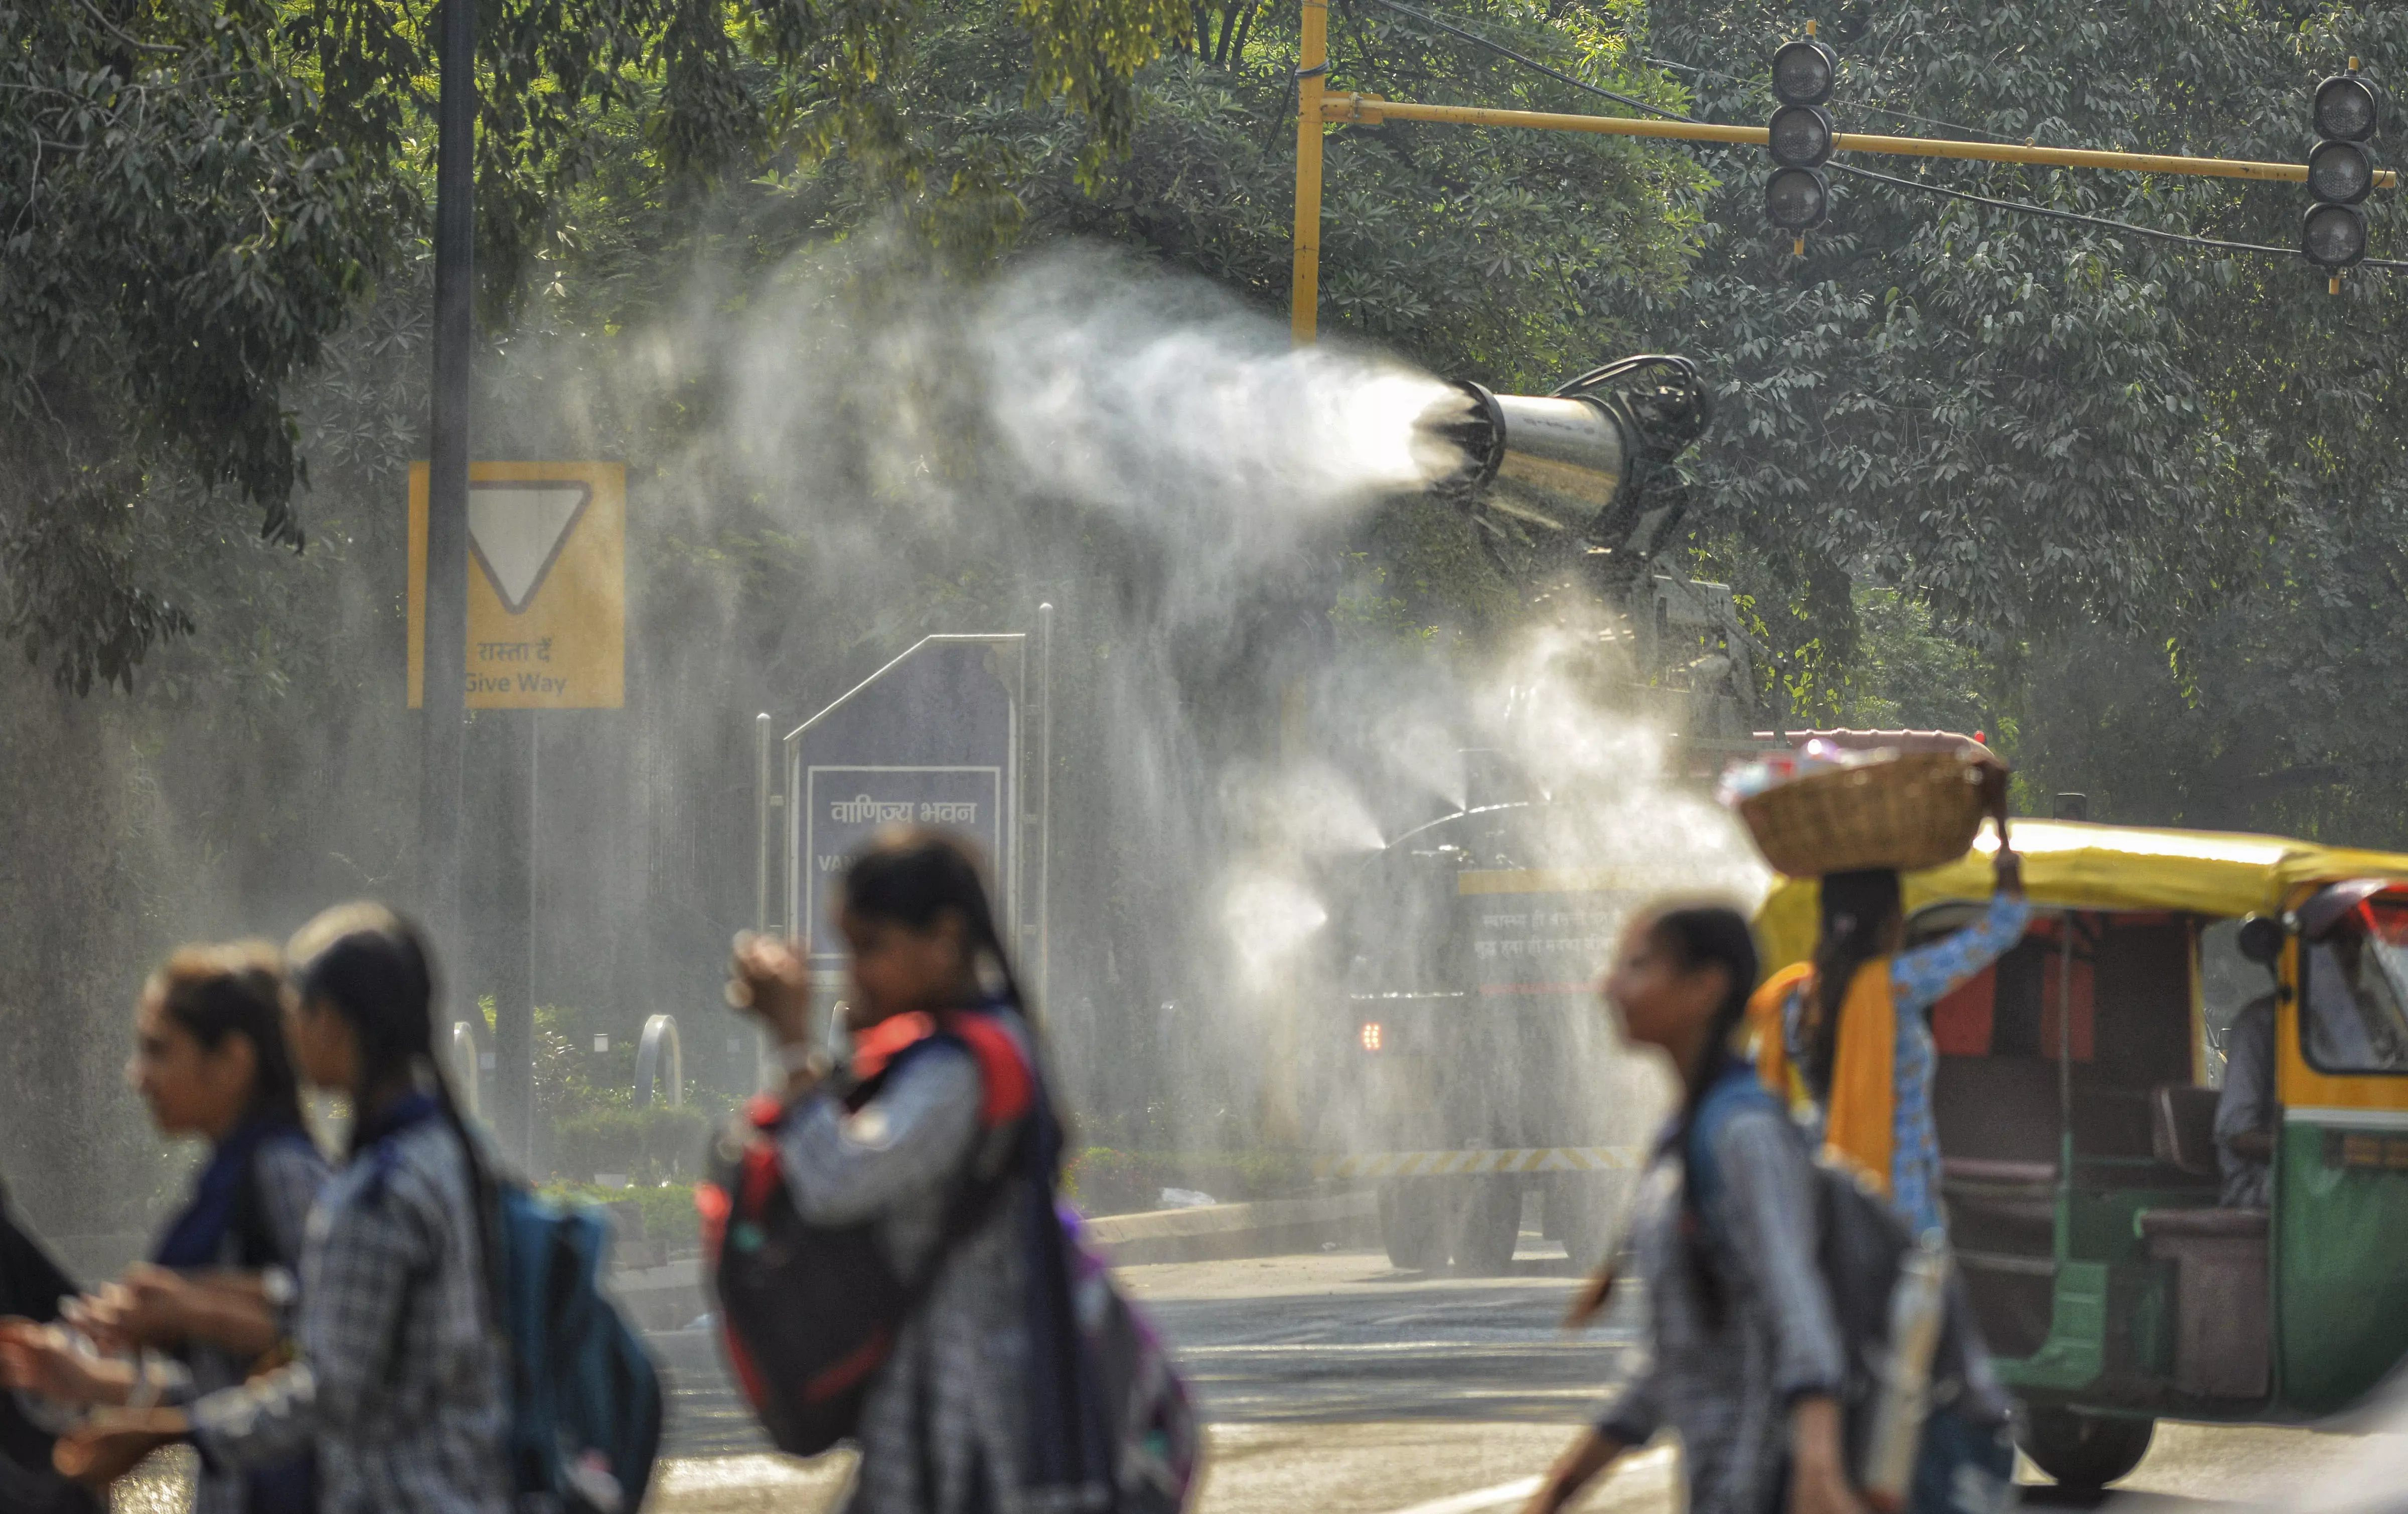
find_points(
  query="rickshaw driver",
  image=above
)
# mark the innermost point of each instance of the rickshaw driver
(2354, 1015)
(2245, 1115)
(2345, 1016)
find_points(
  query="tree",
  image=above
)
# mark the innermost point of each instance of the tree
(2058, 438)
(198, 194)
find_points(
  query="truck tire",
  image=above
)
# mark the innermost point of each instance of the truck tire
(2082, 1450)
(1487, 1226)
(1412, 1224)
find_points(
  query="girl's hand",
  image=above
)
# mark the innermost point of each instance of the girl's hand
(1818, 1474)
(1592, 1453)
(113, 1441)
(2009, 866)
(38, 1358)
(768, 977)
(149, 1307)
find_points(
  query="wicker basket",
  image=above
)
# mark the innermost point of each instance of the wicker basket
(1909, 810)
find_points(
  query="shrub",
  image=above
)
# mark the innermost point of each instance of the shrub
(647, 1146)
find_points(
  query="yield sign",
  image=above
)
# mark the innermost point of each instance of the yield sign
(516, 531)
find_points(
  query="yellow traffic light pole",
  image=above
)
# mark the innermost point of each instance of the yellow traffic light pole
(1317, 109)
(1312, 65)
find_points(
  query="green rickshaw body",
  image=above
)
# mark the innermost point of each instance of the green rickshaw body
(2077, 1087)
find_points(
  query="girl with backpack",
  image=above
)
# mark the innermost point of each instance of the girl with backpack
(210, 1060)
(936, 1133)
(1846, 1037)
(397, 1375)
(1744, 1358)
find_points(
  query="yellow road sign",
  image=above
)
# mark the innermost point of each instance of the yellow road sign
(547, 586)
(1456, 1163)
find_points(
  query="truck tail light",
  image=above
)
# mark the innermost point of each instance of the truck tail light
(1372, 1036)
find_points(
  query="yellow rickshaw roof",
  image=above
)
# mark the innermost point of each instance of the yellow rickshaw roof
(2071, 863)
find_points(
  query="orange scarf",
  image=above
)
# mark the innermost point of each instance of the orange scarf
(1858, 1126)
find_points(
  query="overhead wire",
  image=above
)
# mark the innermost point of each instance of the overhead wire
(2018, 207)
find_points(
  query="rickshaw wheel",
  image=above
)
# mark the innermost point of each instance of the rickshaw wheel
(2082, 1450)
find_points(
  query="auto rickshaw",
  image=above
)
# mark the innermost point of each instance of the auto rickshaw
(2076, 1099)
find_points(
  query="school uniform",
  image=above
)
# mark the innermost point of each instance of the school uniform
(249, 1210)
(398, 1376)
(962, 1416)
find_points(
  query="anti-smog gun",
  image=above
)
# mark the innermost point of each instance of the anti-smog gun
(1575, 493)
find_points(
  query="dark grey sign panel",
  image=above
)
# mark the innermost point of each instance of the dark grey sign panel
(932, 738)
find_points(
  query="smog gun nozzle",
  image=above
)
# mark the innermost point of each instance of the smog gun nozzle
(1572, 472)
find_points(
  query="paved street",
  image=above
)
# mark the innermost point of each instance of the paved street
(1337, 1385)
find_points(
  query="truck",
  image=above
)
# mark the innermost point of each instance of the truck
(1462, 1062)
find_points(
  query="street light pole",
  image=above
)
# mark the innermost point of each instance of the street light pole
(447, 491)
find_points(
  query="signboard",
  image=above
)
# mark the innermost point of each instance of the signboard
(932, 738)
(547, 585)
(1540, 934)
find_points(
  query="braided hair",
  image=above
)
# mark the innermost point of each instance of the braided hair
(373, 967)
(1860, 913)
(1697, 937)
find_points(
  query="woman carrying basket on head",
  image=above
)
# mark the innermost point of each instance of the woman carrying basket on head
(1847, 1033)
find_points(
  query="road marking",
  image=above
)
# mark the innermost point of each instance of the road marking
(1522, 1488)
(1384, 1347)
(1504, 1492)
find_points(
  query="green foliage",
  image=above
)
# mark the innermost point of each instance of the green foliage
(1909, 675)
(2155, 491)
(197, 195)
(645, 1146)
(180, 235)
(667, 1208)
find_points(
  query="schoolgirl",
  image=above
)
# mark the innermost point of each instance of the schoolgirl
(210, 1059)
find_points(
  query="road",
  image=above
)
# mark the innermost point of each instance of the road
(1335, 1384)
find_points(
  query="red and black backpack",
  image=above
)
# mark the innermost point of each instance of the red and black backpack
(808, 1313)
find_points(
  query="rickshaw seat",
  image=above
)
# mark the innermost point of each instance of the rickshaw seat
(2183, 1127)
(2206, 1222)
(1992, 1173)
(2221, 1344)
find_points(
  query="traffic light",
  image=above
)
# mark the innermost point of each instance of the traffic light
(2341, 171)
(1798, 195)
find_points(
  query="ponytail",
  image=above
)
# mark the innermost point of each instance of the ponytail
(1859, 910)
(1695, 937)
(373, 967)
(1698, 937)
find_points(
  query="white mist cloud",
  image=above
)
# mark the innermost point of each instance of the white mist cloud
(1154, 395)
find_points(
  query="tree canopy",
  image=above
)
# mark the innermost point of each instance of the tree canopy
(2094, 460)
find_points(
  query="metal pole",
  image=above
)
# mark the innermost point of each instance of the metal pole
(1044, 804)
(534, 918)
(445, 656)
(1312, 66)
(1365, 109)
(2065, 1074)
(761, 808)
